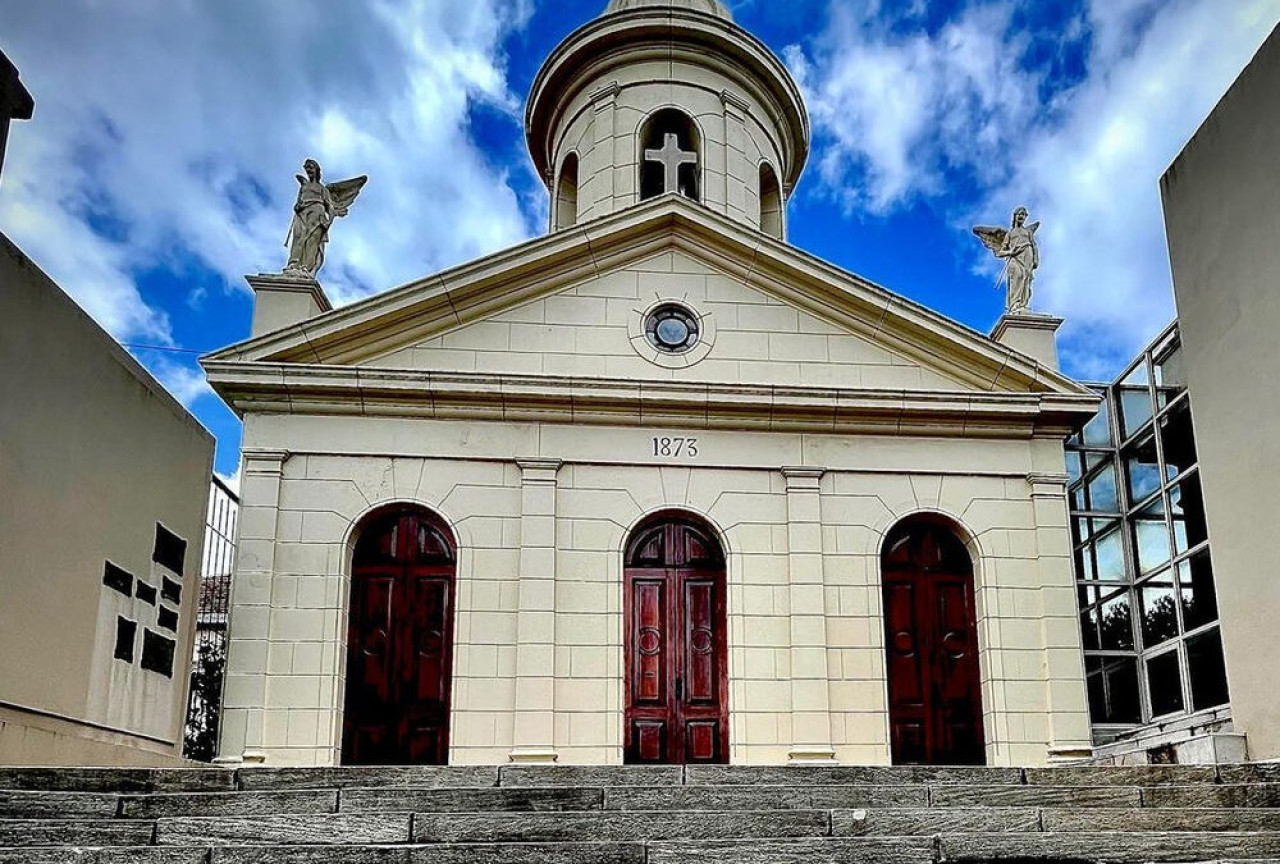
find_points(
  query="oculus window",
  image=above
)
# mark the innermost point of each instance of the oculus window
(672, 329)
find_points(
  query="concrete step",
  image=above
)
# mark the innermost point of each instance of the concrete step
(415, 800)
(58, 805)
(1135, 775)
(342, 829)
(117, 780)
(75, 833)
(120, 855)
(1035, 796)
(479, 777)
(838, 775)
(861, 850)
(764, 797)
(1113, 848)
(1226, 795)
(228, 804)
(590, 775)
(1122, 847)
(629, 826)
(1161, 819)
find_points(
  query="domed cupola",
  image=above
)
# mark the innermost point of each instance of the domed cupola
(711, 7)
(667, 96)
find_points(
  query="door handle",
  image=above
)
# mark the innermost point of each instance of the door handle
(679, 689)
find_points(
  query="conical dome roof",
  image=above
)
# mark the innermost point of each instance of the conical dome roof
(711, 7)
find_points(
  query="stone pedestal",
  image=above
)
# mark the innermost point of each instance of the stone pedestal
(1031, 334)
(281, 300)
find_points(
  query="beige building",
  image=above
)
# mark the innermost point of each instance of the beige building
(103, 478)
(1222, 211)
(657, 486)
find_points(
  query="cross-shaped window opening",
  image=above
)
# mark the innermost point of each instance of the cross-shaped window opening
(670, 156)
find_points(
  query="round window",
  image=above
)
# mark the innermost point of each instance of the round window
(672, 329)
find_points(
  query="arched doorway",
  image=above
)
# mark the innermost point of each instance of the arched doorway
(676, 644)
(931, 636)
(400, 641)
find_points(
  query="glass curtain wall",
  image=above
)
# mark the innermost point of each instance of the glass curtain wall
(1148, 608)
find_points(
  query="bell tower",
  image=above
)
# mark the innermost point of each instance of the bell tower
(667, 96)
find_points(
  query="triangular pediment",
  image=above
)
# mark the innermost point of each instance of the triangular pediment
(570, 303)
(597, 328)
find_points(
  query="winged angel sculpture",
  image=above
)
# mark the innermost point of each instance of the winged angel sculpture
(1017, 246)
(317, 208)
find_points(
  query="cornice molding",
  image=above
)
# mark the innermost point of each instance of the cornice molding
(328, 390)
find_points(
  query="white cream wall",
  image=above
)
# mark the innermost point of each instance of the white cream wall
(1222, 209)
(587, 331)
(602, 125)
(93, 453)
(284, 688)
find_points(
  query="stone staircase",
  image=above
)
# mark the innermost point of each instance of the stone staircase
(611, 815)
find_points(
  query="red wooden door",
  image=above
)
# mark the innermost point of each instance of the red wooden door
(677, 673)
(935, 699)
(400, 644)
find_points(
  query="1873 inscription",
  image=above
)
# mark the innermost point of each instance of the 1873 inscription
(676, 448)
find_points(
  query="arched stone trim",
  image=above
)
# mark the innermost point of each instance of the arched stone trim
(687, 511)
(895, 516)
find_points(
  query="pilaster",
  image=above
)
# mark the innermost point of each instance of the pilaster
(534, 735)
(735, 159)
(249, 624)
(810, 695)
(1070, 732)
(604, 105)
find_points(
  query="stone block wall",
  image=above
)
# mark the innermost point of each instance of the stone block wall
(806, 641)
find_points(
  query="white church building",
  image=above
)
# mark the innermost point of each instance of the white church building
(658, 486)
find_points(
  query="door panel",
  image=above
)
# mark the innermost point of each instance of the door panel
(400, 649)
(935, 703)
(677, 709)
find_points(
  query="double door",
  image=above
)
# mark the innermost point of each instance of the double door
(400, 646)
(935, 704)
(677, 705)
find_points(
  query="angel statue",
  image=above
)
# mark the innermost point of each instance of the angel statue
(1021, 255)
(318, 205)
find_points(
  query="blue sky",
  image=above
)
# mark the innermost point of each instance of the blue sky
(158, 169)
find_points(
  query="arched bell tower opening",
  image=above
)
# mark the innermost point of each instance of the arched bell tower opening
(566, 209)
(670, 155)
(771, 206)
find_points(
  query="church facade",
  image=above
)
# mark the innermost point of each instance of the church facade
(657, 487)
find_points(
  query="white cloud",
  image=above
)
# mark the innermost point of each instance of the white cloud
(185, 383)
(896, 107)
(899, 111)
(175, 128)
